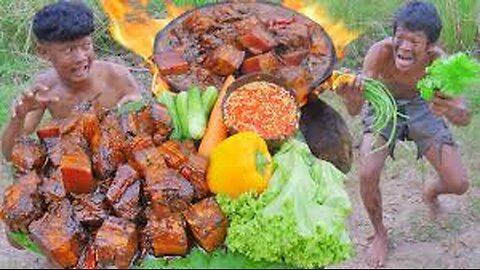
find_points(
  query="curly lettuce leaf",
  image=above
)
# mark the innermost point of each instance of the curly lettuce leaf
(299, 219)
(453, 76)
(314, 187)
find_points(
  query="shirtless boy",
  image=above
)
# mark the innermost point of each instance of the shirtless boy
(63, 33)
(399, 62)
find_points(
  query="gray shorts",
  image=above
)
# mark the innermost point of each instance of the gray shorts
(420, 126)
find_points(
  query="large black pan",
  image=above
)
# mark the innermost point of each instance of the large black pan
(327, 134)
(163, 37)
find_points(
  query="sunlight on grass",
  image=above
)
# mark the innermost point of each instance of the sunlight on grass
(459, 23)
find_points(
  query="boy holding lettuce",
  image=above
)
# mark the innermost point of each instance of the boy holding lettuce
(400, 62)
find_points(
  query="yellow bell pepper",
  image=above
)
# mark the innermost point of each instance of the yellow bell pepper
(239, 164)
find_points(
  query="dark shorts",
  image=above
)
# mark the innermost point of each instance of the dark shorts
(420, 126)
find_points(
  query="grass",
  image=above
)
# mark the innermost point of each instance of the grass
(470, 146)
(475, 207)
(425, 231)
(460, 23)
(16, 17)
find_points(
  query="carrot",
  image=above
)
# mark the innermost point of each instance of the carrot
(216, 129)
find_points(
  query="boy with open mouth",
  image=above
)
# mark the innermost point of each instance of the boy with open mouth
(400, 62)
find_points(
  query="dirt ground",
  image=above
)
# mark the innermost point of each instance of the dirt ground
(453, 241)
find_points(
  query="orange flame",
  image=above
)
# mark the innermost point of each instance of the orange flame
(338, 32)
(133, 27)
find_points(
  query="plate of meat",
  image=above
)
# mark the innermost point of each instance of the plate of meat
(106, 187)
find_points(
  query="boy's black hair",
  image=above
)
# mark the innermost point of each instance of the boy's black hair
(63, 21)
(419, 16)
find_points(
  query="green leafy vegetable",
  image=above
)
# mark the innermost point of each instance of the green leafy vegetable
(454, 75)
(23, 240)
(218, 259)
(299, 219)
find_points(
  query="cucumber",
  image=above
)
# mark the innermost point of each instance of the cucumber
(168, 100)
(181, 101)
(209, 97)
(197, 120)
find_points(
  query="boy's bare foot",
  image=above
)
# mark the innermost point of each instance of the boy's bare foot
(377, 252)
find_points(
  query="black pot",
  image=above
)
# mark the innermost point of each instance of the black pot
(162, 38)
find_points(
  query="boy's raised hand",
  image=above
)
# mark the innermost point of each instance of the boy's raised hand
(442, 104)
(455, 109)
(31, 100)
(351, 90)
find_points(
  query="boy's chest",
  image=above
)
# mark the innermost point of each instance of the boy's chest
(402, 85)
(100, 93)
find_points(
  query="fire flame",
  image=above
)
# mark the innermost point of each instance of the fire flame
(132, 25)
(338, 32)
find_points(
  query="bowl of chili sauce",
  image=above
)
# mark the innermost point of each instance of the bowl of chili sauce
(263, 104)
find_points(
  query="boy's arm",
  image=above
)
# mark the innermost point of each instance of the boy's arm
(353, 93)
(131, 89)
(18, 126)
(373, 60)
(26, 114)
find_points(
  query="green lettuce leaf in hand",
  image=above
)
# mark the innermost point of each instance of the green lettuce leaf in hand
(299, 219)
(454, 76)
